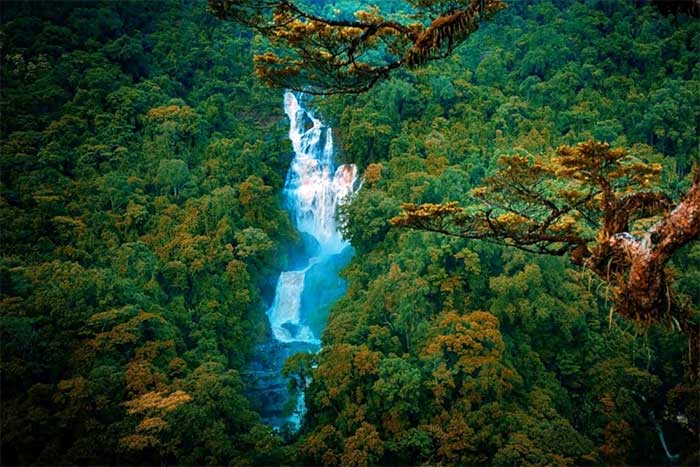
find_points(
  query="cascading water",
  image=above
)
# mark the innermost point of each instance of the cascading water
(313, 190)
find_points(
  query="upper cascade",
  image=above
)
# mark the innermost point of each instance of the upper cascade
(314, 187)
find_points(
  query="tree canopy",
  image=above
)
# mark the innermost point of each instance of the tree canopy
(590, 202)
(142, 166)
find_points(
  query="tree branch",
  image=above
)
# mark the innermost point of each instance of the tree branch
(321, 55)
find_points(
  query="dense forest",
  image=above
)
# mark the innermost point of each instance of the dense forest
(142, 163)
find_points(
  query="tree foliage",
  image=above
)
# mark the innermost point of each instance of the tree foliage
(585, 202)
(141, 166)
(133, 257)
(349, 54)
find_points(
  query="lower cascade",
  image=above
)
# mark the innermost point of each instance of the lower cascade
(313, 191)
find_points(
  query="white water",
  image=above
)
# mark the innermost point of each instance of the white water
(313, 190)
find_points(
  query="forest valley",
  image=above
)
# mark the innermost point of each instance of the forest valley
(525, 287)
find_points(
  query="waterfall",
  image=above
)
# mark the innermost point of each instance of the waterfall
(314, 188)
(286, 309)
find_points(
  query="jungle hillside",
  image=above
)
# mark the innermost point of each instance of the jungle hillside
(516, 210)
